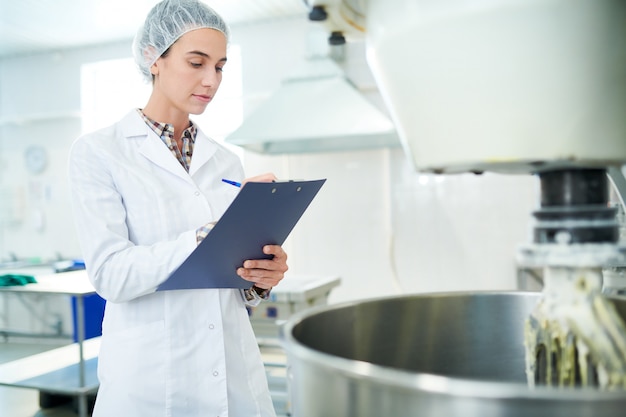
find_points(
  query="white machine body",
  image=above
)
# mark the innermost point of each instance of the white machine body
(514, 86)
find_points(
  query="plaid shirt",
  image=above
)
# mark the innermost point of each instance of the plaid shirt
(166, 132)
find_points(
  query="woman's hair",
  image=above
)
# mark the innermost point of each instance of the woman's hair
(168, 21)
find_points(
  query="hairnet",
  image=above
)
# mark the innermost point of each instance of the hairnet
(168, 21)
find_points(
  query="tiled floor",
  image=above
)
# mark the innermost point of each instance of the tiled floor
(19, 402)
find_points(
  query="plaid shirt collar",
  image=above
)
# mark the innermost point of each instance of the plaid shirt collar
(166, 132)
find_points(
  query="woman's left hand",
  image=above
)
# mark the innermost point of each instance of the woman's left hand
(265, 273)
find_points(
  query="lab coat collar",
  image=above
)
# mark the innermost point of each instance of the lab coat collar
(152, 147)
(203, 149)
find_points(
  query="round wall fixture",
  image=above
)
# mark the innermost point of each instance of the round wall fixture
(36, 159)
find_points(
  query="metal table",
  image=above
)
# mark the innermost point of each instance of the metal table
(67, 370)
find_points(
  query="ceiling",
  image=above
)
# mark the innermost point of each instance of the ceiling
(30, 26)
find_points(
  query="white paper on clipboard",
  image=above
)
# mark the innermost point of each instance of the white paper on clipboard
(263, 213)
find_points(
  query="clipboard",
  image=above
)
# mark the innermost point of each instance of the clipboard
(263, 213)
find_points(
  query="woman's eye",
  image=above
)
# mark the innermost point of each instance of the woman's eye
(196, 64)
(219, 69)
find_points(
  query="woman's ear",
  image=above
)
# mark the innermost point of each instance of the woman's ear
(148, 55)
(154, 69)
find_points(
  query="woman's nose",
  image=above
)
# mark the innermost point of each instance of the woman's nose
(211, 78)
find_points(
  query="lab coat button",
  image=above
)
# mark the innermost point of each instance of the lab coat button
(211, 326)
(216, 373)
(197, 193)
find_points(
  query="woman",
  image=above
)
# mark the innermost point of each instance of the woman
(145, 191)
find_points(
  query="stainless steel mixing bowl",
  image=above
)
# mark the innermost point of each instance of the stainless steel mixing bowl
(453, 354)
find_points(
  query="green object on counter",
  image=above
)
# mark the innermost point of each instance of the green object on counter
(10, 280)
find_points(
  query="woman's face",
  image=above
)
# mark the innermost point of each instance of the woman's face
(189, 75)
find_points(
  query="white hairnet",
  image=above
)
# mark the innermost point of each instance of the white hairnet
(168, 21)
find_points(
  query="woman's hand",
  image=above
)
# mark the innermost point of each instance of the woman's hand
(267, 177)
(265, 273)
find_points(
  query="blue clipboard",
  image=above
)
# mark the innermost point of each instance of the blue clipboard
(263, 213)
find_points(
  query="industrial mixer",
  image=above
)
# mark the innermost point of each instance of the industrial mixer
(524, 87)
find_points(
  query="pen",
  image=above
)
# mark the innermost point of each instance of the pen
(235, 183)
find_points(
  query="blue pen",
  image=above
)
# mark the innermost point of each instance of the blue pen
(235, 183)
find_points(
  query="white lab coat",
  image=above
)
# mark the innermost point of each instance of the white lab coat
(187, 353)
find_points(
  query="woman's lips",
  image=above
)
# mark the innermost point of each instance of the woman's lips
(203, 98)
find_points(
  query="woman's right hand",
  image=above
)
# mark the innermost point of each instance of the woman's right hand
(267, 177)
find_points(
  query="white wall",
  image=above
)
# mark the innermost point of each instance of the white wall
(381, 227)
(40, 105)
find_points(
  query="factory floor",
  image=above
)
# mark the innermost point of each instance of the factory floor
(21, 402)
